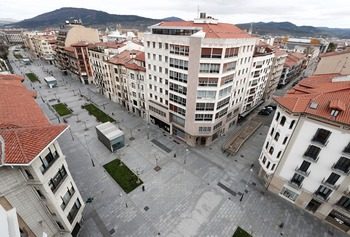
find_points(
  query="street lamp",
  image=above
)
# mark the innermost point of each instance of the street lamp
(147, 132)
(185, 156)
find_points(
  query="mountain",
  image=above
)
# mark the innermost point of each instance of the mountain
(90, 18)
(289, 29)
(172, 18)
(4, 21)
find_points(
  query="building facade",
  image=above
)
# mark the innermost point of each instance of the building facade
(334, 62)
(306, 154)
(35, 177)
(197, 74)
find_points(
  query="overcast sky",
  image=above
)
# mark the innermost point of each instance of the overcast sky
(334, 13)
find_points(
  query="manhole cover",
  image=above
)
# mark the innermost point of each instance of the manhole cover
(146, 208)
(112, 231)
(157, 168)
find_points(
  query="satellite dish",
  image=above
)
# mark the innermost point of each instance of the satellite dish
(67, 22)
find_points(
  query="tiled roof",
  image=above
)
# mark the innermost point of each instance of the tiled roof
(219, 30)
(323, 93)
(23, 126)
(335, 53)
(128, 58)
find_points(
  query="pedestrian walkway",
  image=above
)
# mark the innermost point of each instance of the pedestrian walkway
(198, 192)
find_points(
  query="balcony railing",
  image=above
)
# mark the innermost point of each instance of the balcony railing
(295, 184)
(341, 169)
(311, 158)
(321, 197)
(319, 140)
(305, 173)
(329, 185)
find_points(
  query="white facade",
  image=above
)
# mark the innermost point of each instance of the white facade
(195, 86)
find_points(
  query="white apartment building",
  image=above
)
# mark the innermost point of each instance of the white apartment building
(306, 155)
(259, 75)
(35, 178)
(197, 74)
(127, 85)
(43, 47)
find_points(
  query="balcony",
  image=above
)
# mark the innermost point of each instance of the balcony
(295, 184)
(344, 170)
(321, 197)
(320, 141)
(305, 173)
(347, 150)
(329, 185)
(310, 158)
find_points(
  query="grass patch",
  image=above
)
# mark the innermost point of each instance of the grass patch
(241, 233)
(32, 77)
(62, 109)
(99, 114)
(18, 56)
(126, 179)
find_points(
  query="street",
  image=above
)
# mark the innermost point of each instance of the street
(199, 191)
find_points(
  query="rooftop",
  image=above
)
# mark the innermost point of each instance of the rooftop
(219, 30)
(25, 129)
(325, 92)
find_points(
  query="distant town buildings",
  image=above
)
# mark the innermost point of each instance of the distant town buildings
(35, 179)
(306, 154)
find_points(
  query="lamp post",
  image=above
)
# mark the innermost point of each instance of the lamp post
(147, 132)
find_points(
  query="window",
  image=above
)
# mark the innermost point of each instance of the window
(284, 140)
(323, 192)
(56, 181)
(179, 49)
(178, 88)
(73, 212)
(264, 160)
(211, 53)
(279, 154)
(334, 112)
(347, 149)
(223, 102)
(177, 99)
(229, 66)
(273, 167)
(204, 129)
(297, 179)
(272, 130)
(283, 120)
(267, 145)
(203, 117)
(177, 76)
(344, 202)
(313, 205)
(41, 195)
(206, 94)
(343, 164)
(224, 92)
(291, 124)
(60, 225)
(304, 166)
(231, 52)
(176, 119)
(268, 164)
(277, 136)
(178, 63)
(321, 136)
(312, 152)
(177, 109)
(277, 116)
(209, 68)
(333, 178)
(47, 161)
(217, 126)
(157, 111)
(289, 194)
(271, 150)
(29, 174)
(67, 197)
(205, 106)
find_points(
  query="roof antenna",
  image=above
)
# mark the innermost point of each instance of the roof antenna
(198, 11)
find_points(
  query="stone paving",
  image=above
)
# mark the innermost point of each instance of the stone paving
(183, 198)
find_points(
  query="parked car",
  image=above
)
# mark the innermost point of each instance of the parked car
(268, 108)
(264, 112)
(272, 105)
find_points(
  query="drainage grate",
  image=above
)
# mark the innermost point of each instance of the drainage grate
(146, 208)
(112, 231)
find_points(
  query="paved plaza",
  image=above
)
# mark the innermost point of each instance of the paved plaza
(199, 191)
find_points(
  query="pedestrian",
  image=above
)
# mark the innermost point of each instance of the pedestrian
(126, 204)
(143, 188)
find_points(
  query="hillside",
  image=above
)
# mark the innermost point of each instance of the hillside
(91, 18)
(289, 29)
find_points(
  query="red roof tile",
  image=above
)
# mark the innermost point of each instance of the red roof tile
(323, 92)
(128, 58)
(24, 127)
(219, 30)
